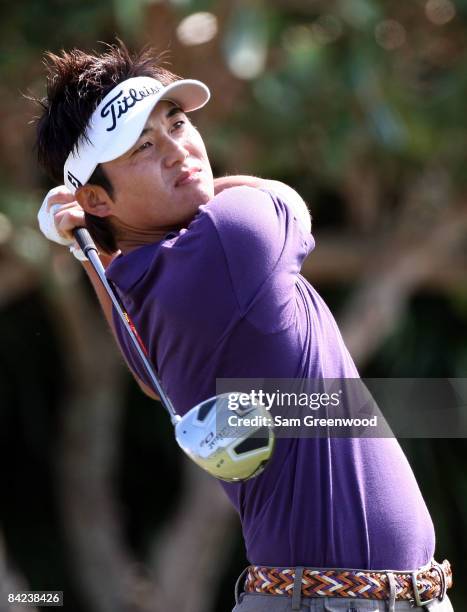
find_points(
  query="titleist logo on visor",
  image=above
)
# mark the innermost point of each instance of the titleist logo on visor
(74, 181)
(118, 105)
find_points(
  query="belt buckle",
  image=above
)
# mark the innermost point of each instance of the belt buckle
(417, 599)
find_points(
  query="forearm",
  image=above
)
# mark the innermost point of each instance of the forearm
(226, 182)
(237, 180)
(104, 300)
(106, 305)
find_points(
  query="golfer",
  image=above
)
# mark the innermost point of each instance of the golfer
(209, 272)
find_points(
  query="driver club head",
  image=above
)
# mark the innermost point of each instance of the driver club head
(229, 451)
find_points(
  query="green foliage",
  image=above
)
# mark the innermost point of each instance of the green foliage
(29, 28)
(332, 92)
(336, 87)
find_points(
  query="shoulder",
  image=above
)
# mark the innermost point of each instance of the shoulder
(247, 215)
(293, 200)
(266, 198)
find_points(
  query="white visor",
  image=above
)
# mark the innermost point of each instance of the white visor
(118, 121)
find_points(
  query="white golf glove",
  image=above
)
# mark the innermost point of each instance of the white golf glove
(46, 218)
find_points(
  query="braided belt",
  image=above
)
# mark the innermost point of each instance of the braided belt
(420, 587)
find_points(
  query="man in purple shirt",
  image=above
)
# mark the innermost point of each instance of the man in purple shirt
(209, 271)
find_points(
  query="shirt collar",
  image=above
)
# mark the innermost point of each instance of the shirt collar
(126, 270)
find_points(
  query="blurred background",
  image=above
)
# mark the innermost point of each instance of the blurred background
(360, 107)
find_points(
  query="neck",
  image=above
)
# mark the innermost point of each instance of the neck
(129, 239)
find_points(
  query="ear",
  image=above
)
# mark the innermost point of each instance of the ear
(95, 200)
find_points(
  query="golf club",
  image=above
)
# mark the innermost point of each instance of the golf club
(204, 433)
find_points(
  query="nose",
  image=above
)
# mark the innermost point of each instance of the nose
(175, 152)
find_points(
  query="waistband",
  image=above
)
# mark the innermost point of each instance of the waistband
(418, 587)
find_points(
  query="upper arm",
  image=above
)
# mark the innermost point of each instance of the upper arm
(145, 388)
(264, 244)
(109, 313)
(121, 336)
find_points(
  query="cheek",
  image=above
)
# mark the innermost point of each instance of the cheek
(139, 181)
(203, 151)
(197, 143)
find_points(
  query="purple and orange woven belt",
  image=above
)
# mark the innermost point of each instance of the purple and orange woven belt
(422, 586)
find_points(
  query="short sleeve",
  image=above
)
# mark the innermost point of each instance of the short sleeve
(264, 246)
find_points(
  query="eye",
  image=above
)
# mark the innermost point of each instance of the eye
(178, 124)
(145, 145)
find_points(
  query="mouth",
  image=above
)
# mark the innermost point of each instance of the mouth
(187, 177)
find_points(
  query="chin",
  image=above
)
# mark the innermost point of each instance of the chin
(191, 210)
(202, 194)
(206, 188)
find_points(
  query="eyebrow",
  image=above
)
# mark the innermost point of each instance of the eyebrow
(171, 112)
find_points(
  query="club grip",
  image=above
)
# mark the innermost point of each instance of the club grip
(83, 238)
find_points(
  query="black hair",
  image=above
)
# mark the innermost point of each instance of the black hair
(76, 82)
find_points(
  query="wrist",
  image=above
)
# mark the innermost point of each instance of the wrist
(76, 251)
(106, 260)
(237, 180)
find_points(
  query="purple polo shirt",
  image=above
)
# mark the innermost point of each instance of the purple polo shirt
(224, 298)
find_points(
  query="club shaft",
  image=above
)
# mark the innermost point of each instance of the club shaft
(89, 248)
